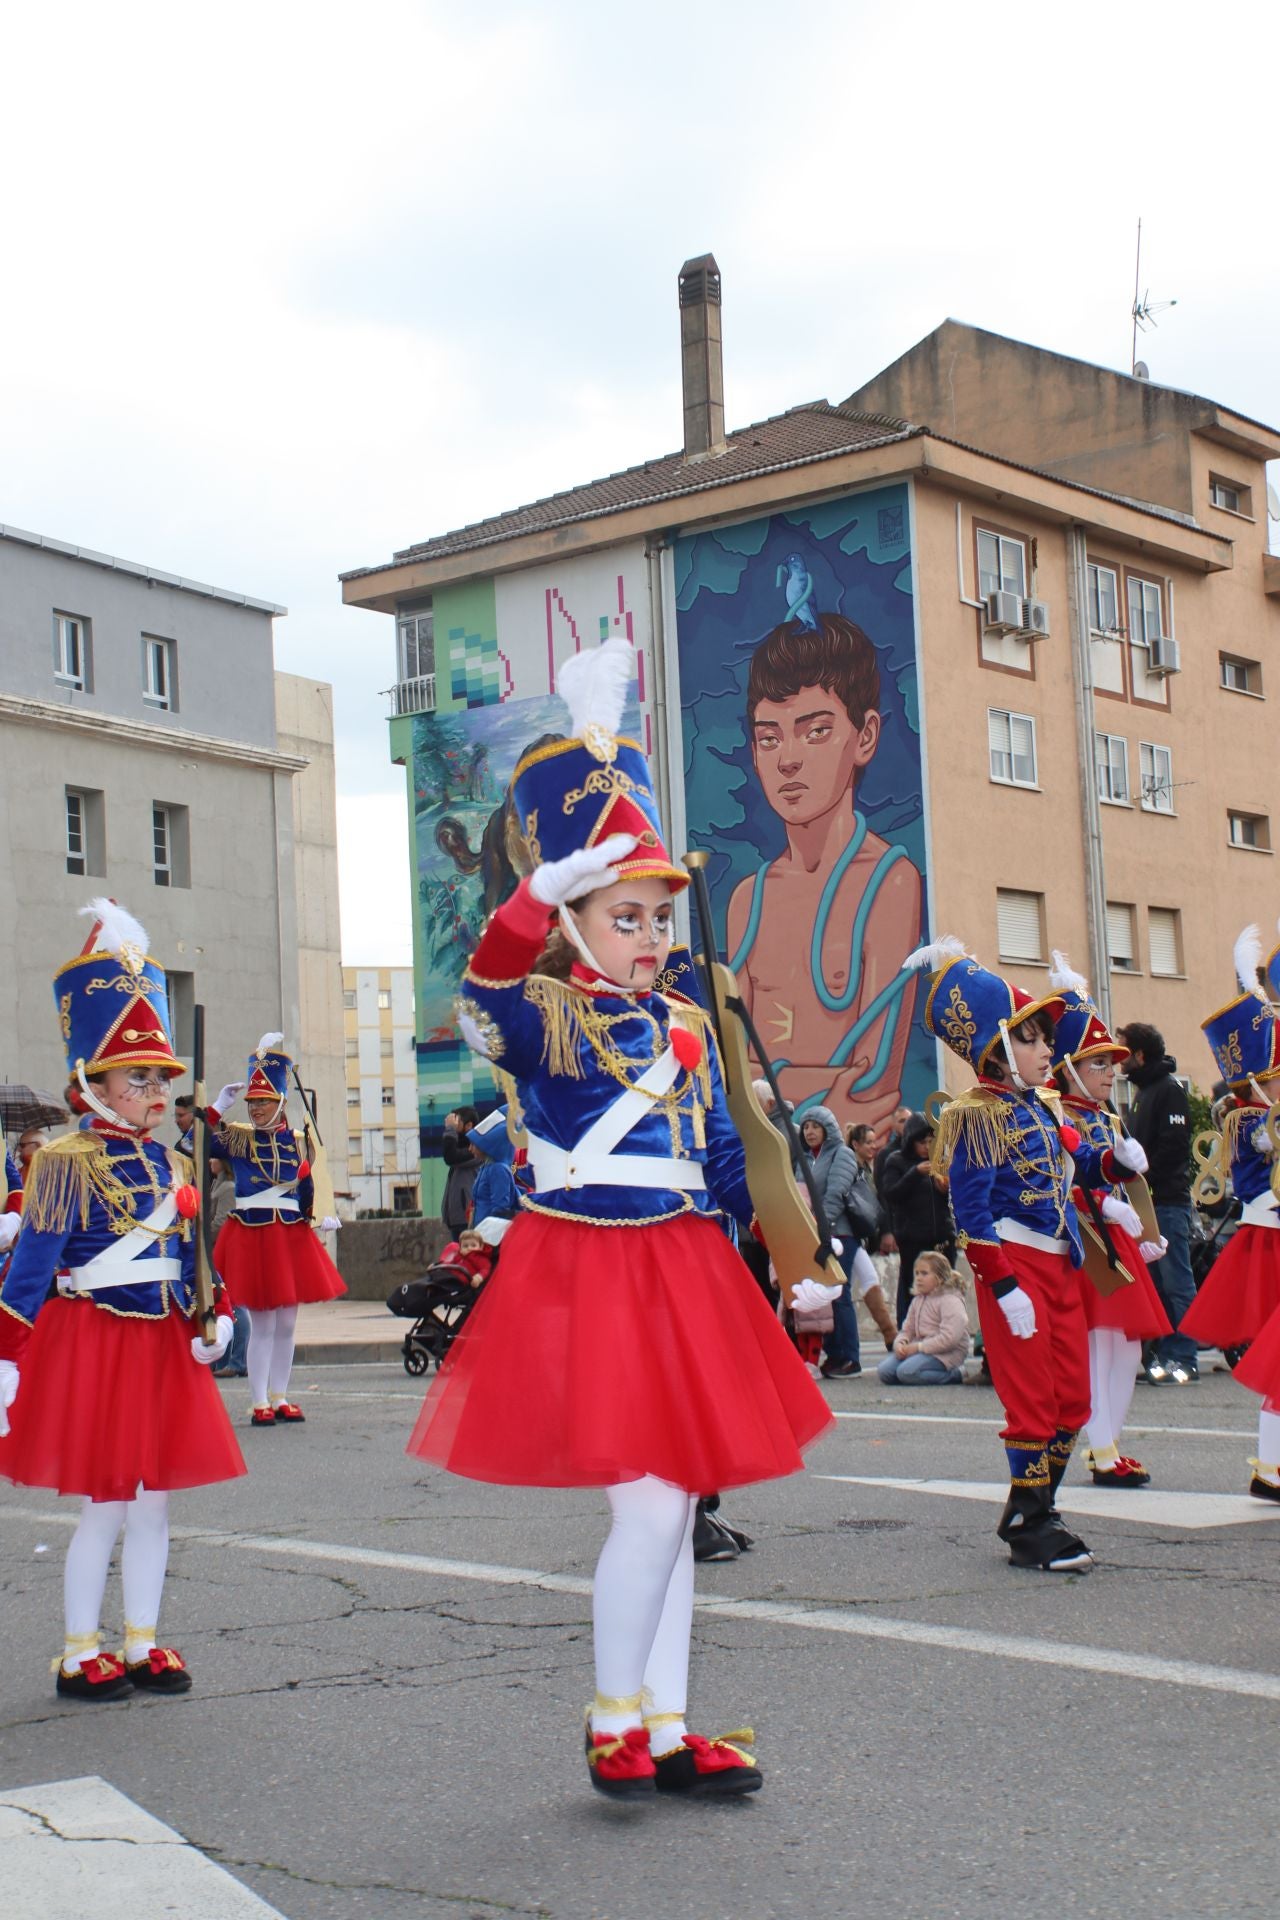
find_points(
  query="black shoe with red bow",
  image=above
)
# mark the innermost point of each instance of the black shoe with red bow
(620, 1764)
(263, 1417)
(161, 1671)
(288, 1414)
(702, 1768)
(1125, 1473)
(101, 1678)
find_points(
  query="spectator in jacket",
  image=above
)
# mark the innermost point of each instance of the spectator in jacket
(893, 1140)
(1161, 1124)
(836, 1171)
(494, 1194)
(934, 1341)
(919, 1205)
(459, 1156)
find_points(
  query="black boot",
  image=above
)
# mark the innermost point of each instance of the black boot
(1035, 1535)
(711, 1541)
(1061, 1448)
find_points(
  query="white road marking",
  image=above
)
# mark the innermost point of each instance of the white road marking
(1154, 1506)
(1116, 1663)
(993, 1421)
(80, 1847)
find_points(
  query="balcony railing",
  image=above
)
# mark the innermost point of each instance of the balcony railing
(412, 696)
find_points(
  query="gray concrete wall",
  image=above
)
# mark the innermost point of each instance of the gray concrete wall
(374, 1256)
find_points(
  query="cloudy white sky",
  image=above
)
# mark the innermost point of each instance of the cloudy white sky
(287, 286)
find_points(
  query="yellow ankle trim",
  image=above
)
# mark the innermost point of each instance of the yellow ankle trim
(652, 1720)
(1266, 1470)
(617, 1703)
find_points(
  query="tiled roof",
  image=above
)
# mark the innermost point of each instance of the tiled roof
(815, 431)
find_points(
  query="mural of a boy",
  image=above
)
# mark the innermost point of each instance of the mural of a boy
(817, 936)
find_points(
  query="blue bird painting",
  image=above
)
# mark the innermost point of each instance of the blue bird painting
(794, 574)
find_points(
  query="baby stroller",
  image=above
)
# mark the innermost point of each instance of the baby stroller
(438, 1305)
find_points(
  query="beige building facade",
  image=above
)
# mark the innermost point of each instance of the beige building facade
(381, 1147)
(1096, 627)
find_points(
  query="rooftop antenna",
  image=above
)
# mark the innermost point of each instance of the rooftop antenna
(1144, 311)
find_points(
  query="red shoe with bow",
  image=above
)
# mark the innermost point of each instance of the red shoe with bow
(287, 1413)
(620, 1764)
(702, 1768)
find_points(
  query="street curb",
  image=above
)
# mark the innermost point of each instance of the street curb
(322, 1353)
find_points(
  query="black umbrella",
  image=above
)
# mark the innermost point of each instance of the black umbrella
(23, 1107)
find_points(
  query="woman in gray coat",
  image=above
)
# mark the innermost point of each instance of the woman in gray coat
(836, 1171)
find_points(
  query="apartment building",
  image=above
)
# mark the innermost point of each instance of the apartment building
(149, 751)
(1031, 625)
(381, 1091)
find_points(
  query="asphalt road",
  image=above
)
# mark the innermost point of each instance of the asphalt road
(387, 1710)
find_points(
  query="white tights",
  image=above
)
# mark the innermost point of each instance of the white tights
(862, 1272)
(270, 1357)
(642, 1609)
(145, 1519)
(1113, 1371)
(1269, 1441)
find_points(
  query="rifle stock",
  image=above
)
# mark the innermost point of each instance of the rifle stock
(206, 1289)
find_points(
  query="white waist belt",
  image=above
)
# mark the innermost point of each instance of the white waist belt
(559, 1168)
(125, 1273)
(1260, 1212)
(1028, 1237)
(280, 1199)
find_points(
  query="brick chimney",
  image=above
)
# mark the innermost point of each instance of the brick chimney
(701, 365)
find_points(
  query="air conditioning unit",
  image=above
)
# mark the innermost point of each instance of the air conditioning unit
(1035, 619)
(1004, 612)
(1162, 656)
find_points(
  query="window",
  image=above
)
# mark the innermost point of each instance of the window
(385, 1043)
(353, 1046)
(353, 1096)
(1020, 921)
(353, 1146)
(1011, 739)
(1146, 618)
(71, 652)
(404, 1199)
(1111, 757)
(1104, 600)
(416, 644)
(161, 863)
(1121, 946)
(1239, 675)
(1229, 495)
(1164, 937)
(1249, 830)
(158, 689)
(181, 989)
(85, 831)
(349, 998)
(388, 1096)
(384, 999)
(1156, 768)
(1002, 564)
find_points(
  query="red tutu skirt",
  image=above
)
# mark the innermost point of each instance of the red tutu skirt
(107, 1404)
(1137, 1310)
(1241, 1293)
(601, 1354)
(275, 1265)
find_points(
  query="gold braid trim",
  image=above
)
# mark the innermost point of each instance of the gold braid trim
(510, 1100)
(568, 1018)
(63, 1180)
(1233, 1124)
(983, 1119)
(236, 1136)
(686, 1013)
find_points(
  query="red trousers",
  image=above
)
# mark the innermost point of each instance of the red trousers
(1043, 1382)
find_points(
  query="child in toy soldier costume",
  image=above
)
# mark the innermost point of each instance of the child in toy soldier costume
(1085, 1053)
(100, 1393)
(1239, 1303)
(267, 1253)
(1010, 1160)
(621, 1343)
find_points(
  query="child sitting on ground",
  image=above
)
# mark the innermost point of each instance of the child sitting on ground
(934, 1340)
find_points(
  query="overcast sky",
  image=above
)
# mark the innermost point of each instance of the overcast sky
(289, 286)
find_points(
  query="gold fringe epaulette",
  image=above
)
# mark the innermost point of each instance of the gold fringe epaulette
(511, 1100)
(237, 1136)
(568, 1018)
(698, 1021)
(64, 1179)
(982, 1118)
(1235, 1121)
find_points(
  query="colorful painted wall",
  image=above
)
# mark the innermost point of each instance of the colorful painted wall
(799, 688)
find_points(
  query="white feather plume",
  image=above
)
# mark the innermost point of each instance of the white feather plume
(1063, 977)
(936, 954)
(1248, 958)
(118, 928)
(268, 1041)
(593, 684)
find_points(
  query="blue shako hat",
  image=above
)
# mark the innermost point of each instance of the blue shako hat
(970, 1009)
(1244, 1035)
(572, 793)
(113, 1000)
(491, 1137)
(269, 1066)
(1081, 1032)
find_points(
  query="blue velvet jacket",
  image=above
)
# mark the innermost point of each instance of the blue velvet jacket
(1250, 1170)
(82, 1192)
(263, 1157)
(574, 1047)
(1007, 1161)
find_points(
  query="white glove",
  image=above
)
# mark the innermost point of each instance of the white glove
(1153, 1250)
(557, 882)
(9, 1224)
(811, 1296)
(330, 1223)
(208, 1355)
(837, 1247)
(1262, 1142)
(1121, 1214)
(8, 1391)
(1019, 1310)
(1129, 1154)
(227, 1096)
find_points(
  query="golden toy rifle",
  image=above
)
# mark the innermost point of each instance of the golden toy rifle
(206, 1279)
(324, 1206)
(799, 1244)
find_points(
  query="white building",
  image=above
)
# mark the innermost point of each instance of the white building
(382, 1090)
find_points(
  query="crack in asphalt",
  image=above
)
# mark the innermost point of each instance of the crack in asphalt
(480, 1904)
